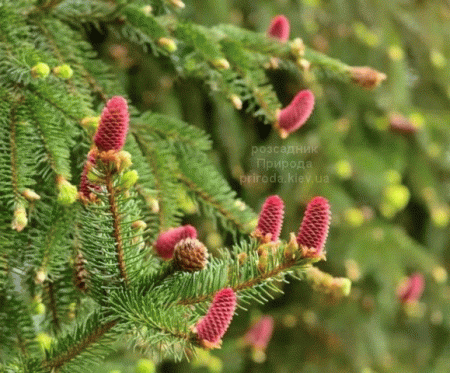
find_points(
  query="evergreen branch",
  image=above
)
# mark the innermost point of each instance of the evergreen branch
(210, 200)
(67, 355)
(48, 5)
(201, 178)
(117, 233)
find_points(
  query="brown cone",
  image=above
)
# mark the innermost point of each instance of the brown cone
(190, 255)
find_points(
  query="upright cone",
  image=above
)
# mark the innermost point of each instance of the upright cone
(113, 127)
(293, 116)
(271, 218)
(313, 231)
(214, 324)
(279, 28)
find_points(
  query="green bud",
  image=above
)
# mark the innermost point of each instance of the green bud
(345, 287)
(129, 178)
(20, 220)
(124, 160)
(40, 70)
(343, 169)
(145, 366)
(397, 196)
(221, 64)
(39, 308)
(67, 192)
(354, 217)
(44, 340)
(63, 71)
(168, 44)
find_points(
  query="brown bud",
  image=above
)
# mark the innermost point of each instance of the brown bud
(366, 77)
(190, 255)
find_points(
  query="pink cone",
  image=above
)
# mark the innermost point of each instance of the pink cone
(279, 28)
(86, 185)
(399, 124)
(293, 116)
(113, 127)
(165, 244)
(260, 333)
(271, 217)
(411, 290)
(313, 231)
(213, 326)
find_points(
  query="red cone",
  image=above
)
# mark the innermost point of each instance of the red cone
(213, 326)
(279, 28)
(313, 231)
(165, 244)
(113, 127)
(293, 116)
(271, 217)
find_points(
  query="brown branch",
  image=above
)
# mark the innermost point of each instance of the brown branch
(75, 350)
(52, 304)
(117, 228)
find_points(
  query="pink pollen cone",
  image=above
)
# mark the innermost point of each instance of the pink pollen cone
(260, 333)
(113, 127)
(165, 244)
(215, 323)
(412, 289)
(313, 231)
(279, 28)
(293, 116)
(271, 217)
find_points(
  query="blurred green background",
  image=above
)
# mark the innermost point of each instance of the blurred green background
(389, 191)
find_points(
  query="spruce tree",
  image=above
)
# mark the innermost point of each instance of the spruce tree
(94, 237)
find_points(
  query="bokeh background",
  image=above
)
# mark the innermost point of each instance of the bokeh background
(381, 157)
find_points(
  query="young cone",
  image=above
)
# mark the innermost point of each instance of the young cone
(270, 219)
(293, 116)
(399, 124)
(214, 324)
(313, 231)
(411, 290)
(113, 127)
(165, 244)
(279, 28)
(260, 333)
(190, 255)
